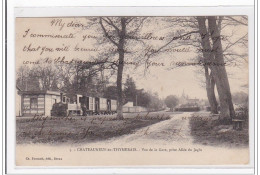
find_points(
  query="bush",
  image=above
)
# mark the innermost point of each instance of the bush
(59, 110)
(242, 112)
(187, 109)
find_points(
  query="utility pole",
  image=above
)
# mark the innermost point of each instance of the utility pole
(136, 100)
(25, 84)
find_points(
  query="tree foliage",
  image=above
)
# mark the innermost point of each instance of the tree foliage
(110, 92)
(171, 101)
(130, 90)
(240, 98)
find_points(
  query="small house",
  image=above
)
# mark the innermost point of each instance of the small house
(38, 102)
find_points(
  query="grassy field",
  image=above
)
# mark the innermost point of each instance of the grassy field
(207, 130)
(78, 129)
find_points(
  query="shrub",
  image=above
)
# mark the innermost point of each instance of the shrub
(59, 110)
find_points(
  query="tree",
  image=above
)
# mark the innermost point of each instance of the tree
(171, 101)
(207, 57)
(213, 54)
(119, 31)
(27, 79)
(211, 40)
(110, 92)
(240, 97)
(219, 72)
(82, 78)
(143, 98)
(130, 90)
(155, 103)
(70, 78)
(38, 77)
(47, 77)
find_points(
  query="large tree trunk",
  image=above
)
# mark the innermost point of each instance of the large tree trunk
(219, 70)
(214, 55)
(207, 56)
(210, 86)
(120, 69)
(223, 98)
(119, 88)
(214, 108)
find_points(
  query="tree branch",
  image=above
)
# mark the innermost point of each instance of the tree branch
(106, 34)
(234, 43)
(129, 20)
(110, 22)
(173, 39)
(240, 22)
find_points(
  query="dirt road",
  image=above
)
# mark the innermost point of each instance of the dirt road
(173, 131)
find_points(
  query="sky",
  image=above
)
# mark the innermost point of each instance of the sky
(163, 78)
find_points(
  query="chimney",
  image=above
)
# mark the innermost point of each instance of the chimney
(61, 97)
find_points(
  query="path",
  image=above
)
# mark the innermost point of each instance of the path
(176, 130)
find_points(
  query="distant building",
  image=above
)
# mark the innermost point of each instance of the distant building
(38, 102)
(184, 100)
(130, 108)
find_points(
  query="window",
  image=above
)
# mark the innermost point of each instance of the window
(34, 103)
(80, 100)
(64, 99)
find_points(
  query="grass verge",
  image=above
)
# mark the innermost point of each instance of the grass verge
(208, 130)
(57, 130)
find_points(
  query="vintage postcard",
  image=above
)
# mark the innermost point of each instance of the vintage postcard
(132, 91)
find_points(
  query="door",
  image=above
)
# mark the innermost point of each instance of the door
(96, 104)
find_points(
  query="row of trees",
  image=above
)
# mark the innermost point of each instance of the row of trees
(79, 80)
(68, 78)
(140, 97)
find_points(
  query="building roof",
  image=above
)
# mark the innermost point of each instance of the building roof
(43, 92)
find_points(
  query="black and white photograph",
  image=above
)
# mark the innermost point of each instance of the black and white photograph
(132, 90)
